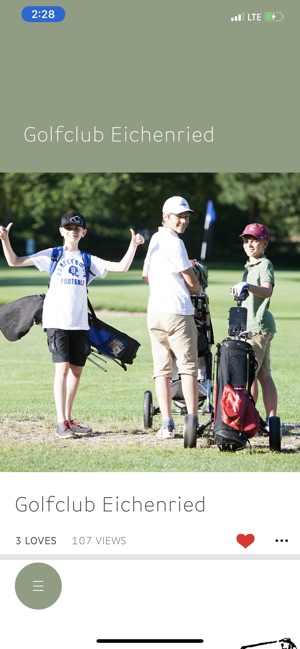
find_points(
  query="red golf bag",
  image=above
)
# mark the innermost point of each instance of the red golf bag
(235, 415)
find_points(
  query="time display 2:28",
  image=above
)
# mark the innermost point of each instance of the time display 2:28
(43, 14)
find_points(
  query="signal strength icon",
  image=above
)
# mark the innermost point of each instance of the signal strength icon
(238, 18)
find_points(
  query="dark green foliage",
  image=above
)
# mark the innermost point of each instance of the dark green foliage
(114, 202)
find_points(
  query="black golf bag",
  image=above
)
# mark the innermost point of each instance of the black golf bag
(235, 415)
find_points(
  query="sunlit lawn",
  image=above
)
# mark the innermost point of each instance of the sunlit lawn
(113, 401)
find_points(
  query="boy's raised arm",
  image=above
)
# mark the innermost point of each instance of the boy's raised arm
(10, 256)
(126, 261)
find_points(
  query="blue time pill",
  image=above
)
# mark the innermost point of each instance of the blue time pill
(43, 14)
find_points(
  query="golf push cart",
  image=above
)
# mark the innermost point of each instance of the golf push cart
(233, 420)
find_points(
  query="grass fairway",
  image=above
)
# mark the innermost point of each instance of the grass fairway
(112, 402)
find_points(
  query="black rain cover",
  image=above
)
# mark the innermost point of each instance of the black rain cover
(17, 318)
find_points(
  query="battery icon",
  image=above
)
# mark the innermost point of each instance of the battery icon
(274, 16)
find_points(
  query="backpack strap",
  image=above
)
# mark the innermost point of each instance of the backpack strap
(86, 257)
(55, 257)
(57, 254)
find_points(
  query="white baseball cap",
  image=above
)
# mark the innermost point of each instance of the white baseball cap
(176, 205)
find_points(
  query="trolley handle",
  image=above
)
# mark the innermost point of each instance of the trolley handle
(243, 296)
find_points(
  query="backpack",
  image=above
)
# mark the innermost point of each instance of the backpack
(57, 254)
(238, 410)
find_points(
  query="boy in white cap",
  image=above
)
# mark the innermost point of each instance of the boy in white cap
(65, 312)
(259, 280)
(172, 329)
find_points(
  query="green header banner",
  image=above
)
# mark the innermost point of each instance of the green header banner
(162, 86)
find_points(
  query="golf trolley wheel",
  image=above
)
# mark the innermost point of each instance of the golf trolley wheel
(274, 434)
(148, 409)
(190, 431)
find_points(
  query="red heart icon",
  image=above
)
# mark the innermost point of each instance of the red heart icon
(245, 539)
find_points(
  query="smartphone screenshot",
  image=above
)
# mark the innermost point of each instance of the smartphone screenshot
(149, 265)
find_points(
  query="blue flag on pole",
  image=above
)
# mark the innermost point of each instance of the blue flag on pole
(210, 216)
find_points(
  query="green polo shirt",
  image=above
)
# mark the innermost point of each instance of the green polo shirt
(259, 320)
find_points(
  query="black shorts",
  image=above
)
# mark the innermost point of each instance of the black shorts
(68, 346)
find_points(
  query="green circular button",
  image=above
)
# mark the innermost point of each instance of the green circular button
(38, 585)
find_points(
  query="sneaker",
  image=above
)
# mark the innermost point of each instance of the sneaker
(167, 432)
(79, 430)
(264, 428)
(63, 430)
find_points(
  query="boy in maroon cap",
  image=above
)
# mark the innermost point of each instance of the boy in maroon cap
(258, 279)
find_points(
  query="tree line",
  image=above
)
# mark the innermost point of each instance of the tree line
(114, 202)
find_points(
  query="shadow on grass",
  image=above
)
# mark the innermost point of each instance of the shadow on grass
(288, 451)
(288, 428)
(284, 451)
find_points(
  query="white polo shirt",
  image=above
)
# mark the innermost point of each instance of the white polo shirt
(166, 259)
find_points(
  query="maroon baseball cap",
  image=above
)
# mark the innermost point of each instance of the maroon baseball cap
(256, 230)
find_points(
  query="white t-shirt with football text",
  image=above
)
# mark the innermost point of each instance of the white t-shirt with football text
(166, 259)
(65, 305)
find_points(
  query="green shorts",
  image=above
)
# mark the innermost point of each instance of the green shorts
(173, 337)
(261, 344)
